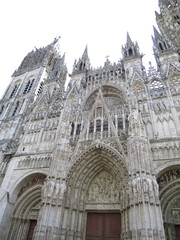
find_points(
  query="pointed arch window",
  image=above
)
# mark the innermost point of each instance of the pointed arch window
(2, 109)
(98, 125)
(177, 18)
(15, 109)
(28, 86)
(161, 47)
(130, 52)
(78, 129)
(14, 91)
(91, 127)
(40, 89)
(105, 125)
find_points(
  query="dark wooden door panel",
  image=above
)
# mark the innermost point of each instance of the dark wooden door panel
(113, 224)
(94, 226)
(103, 226)
(177, 228)
(31, 229)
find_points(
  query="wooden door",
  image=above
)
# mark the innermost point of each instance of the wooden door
(103, 226)
(31, 229)
(177, 228)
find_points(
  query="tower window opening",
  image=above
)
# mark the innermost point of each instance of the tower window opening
(28, 86)
(81, 66)
(165, 45)
(14, 91)
(55, 60)
(98, 125)
(130, 52)
(105, 125)
(120, 123)
(72, 129)
(78, 129)
(2, 109)
(16, 108)
(91, 127)
(161, 47)
(40, 88)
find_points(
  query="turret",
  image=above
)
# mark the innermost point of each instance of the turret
(132, 59)
(83, 64)
(164, 50)
(130, 49)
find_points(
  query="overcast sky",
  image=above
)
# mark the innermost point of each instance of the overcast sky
(101, 24)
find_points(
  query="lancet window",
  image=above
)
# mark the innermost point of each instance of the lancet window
(28, 86)
(14, 91)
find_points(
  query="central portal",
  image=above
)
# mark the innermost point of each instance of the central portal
(103, 226)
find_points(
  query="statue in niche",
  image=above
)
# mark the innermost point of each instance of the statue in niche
(156, 189)
(150, 190)
(51, 187)
(145, 189)
(137, 189)
(62, 188)
(103, 189)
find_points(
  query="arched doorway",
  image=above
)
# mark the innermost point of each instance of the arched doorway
(95, 188)
(26, 208)
(169, 186)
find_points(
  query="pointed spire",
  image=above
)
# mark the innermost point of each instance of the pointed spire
(83, 63)
(63, 58)
(85, 53)
(130, 49)
(156, 14)
(156, 33)
(128, 40)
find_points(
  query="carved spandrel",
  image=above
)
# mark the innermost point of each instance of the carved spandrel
(103, 189)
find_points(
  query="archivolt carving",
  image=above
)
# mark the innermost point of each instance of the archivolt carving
(37, 180)
(103, 189)
(168, 177)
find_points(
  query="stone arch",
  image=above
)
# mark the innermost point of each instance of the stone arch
(157, 87)
(169, 186)
(23, 204)
(139, 89)
(94, 163)
(25, 178)
(93, 93)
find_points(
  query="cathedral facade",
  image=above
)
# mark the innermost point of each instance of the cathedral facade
(101, 159)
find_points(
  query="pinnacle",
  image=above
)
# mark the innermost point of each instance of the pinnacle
(128, 41)
(85, 53)
(156, 33)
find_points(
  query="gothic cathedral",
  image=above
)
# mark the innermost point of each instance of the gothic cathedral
(101, 159)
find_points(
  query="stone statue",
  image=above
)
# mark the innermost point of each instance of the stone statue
(62, 188)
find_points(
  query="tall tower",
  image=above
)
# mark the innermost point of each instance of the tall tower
(40, 76)
(169, 20)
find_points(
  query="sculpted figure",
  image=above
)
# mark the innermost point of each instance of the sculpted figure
(57, 188)
(145, 189)
(51, 188)
(62, 188)
(156, 187)
(150, 188)
(135, 191)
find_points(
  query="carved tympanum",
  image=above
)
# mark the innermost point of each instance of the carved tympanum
(103, 189)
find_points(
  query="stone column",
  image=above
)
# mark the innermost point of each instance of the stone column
(145, 217)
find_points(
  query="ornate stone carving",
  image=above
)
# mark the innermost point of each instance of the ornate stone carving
(168, 177)
(32, 182)
(103, 189)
